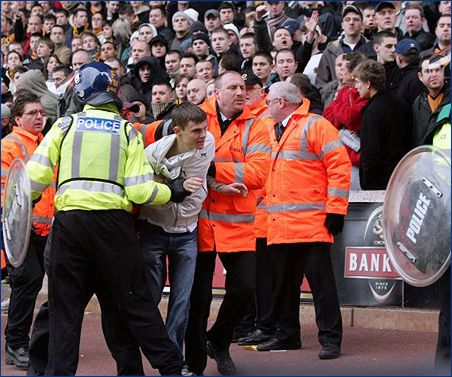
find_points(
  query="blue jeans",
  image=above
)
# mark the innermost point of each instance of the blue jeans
(181, 249)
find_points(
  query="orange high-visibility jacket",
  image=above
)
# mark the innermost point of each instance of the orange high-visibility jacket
(260, 109)
(242, 154)
(22, 144)
(260, 222)
(309, 176)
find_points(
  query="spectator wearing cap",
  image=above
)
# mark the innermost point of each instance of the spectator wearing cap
(159, 49)
(233, 33)
(204, 70)
(212, 20)
(255, 94)
(146, 32)
(351, 40)
(181, 22)
(385, 18)
(201, 45)
(157, 18)
(407, 59)
(414, 21)
(385, 129)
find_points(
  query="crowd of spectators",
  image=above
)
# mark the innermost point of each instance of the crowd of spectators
(379, 72)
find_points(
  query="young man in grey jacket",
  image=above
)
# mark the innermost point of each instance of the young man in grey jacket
(170, 230)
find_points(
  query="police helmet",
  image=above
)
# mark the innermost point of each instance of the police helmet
(97, 84)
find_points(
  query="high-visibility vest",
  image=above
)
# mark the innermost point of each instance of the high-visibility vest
(22, 144)
(101, 163)
(309, 177)
(242, 154)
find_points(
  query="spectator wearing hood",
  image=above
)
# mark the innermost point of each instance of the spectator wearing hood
(181, 22)
(146, 32)
(159, 49)
(34, 82)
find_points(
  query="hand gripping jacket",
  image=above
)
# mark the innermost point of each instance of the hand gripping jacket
(242, 154)
(101, 163)
(22, 144)
(309, 176)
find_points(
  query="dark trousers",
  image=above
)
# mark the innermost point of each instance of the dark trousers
(26, 282)
(128, 356)
(291, 262)
(99, 250)
(442, 357)
(260, 312)
(239, 287)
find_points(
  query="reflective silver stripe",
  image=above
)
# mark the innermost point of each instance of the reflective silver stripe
(338, 192)
(42, 160)
(304, 145)
(246, 135)
(133, 134)
(115, 150)
(153, 195)
(36, 186)
(143, 131)
(166, 127)
(295, 155)
(107, 188)
(224, 159)
(330, 146)
(258, 148)
(5, 172)
(239, 172)
(21, 145)
(293, 207)
(76, 149)
(137, 180)
(262, 205)
(41, 219)
(227, 218)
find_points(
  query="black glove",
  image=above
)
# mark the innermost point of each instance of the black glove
(178, 193)
(212, 170)
(334, 223)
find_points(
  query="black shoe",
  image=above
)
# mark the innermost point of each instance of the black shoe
(225, 365)
(275, 344)
(18, 357)
(236, 335)
(329, 351)
(256, 337)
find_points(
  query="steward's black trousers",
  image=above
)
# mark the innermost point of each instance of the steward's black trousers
(26, 282)
(100, 249)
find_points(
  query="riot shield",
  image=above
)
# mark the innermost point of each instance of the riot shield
(17, 213)
(416, 216)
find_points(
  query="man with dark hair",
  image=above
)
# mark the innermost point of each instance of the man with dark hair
(163, 100)
(384, 43)
(227, 12)
(285, 64)
(188, 64)
(262, 67)
(434, 96)
(386, 127)
(157, 17)
(28, 118)
(171, 230)
(57, 36)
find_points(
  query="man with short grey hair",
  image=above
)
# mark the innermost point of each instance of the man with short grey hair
(303, 219)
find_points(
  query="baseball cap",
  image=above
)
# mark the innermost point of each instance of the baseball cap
(232, 27)
(212, 13)
(251, 79)
(407, 46)
(291, 25)
(5, 111)
(353, 9)
(384, 4)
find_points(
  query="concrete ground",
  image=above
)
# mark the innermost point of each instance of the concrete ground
(376, 342)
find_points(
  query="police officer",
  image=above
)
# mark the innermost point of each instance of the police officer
(102, 172)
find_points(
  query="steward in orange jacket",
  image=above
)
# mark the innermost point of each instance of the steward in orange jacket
(307, 198)
(26, 281)
(226, 222)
